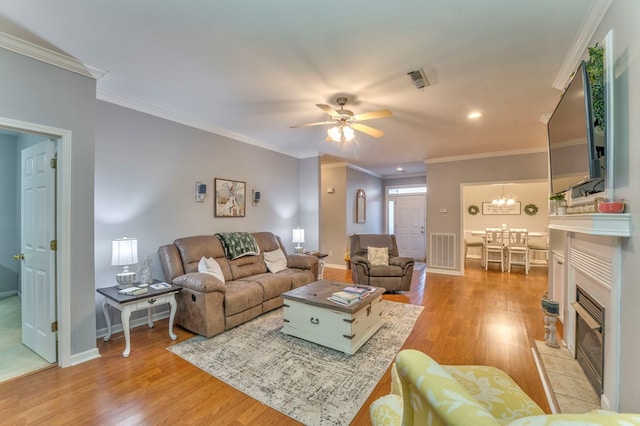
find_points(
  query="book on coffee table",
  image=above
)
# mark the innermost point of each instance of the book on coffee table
(361, 291)
(345, 297)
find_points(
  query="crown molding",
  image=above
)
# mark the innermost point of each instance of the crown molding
(485, 155)
(592, 19)
(146, 108)
(48, 56)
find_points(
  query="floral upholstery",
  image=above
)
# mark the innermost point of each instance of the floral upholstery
(495, 391)
(425, 393)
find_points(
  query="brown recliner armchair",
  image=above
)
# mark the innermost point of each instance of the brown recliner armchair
(396, 276)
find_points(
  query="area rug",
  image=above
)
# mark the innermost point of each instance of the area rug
(308, 382)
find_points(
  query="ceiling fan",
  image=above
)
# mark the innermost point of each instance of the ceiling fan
(345, 122)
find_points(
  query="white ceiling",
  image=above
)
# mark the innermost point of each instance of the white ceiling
(249, 69)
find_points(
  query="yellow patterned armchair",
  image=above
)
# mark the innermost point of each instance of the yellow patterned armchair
(425, 393)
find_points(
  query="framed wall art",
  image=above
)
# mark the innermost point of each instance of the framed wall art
(506, 209)
(230, 198)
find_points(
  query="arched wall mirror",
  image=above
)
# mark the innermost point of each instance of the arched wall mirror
(361, 206)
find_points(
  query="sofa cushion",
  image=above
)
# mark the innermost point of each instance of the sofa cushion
(275, 260)
(378, 255)
(238, 244)
(192, 249)
(242, 295)
(246, 266)
(273, 285)
(210, 266)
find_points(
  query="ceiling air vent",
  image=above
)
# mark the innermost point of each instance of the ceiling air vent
(419, 78)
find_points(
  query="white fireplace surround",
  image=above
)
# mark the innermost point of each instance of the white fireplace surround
(593, 250)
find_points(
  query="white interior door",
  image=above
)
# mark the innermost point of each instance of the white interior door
(38, 265)
(410, 225)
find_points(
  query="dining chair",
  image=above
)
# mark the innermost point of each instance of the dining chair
(493, 244)
(539, 246)
(518, 249)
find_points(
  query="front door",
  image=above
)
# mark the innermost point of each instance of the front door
(37, 236)
(410, 226)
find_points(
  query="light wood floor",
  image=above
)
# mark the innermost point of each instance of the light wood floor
(487, 318)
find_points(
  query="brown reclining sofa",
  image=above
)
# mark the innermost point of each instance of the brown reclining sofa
(208, 306)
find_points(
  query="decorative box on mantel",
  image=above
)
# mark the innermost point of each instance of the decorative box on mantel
(614, 225)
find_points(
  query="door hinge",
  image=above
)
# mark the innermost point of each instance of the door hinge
(54, 326)
(53, 245)
(54, 163)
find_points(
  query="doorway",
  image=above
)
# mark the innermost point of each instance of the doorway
(406, 219)
(62, 293)
(28, 287)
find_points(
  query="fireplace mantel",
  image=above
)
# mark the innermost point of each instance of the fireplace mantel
(613, 225)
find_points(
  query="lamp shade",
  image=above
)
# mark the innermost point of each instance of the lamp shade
(124, 251)
(298, 235)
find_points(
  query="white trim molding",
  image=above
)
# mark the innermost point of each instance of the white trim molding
(48, 56)
(592, 19)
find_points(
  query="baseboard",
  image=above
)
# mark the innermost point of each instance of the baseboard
(330, 265)
(6, 294)
(84, 356)
(444, 271)
(101, 332)
(548, 392)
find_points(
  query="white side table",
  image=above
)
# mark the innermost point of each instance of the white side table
(128, 304)
(321, 263)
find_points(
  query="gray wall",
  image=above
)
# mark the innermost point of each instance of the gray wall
(337, 213)
(372, 187)
(145, 174)
(444, 182)
(36, 92)
(333, 220)
(622, 19)
(402, 181)
(9, 244)
(308, 189)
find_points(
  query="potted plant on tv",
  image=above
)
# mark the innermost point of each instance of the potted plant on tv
(558, 204)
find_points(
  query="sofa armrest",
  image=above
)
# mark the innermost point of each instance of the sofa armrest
(402, 262)
(301, 261)
(360, 259)
(204, 283)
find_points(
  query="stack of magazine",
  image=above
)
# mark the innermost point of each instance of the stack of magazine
(350, 295)
(133, 291)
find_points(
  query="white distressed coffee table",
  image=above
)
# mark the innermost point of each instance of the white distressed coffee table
(310, 316)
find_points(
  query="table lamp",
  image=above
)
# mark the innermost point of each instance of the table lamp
(298, 238)
(124, 252)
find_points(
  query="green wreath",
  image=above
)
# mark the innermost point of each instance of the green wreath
(473, 210)
(530, 209)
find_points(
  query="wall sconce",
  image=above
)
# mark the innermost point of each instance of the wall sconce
(124, 252)
(255, 197)
(201, 192)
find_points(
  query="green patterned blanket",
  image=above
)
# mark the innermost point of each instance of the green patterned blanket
(238, 244)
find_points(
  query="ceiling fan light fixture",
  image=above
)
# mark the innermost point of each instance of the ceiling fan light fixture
(341, 133)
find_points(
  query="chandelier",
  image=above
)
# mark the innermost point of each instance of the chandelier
(502, 200)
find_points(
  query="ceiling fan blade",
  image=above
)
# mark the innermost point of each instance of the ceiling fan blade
(319, 123)
(368, 130)
(326, 108)
(373, 114)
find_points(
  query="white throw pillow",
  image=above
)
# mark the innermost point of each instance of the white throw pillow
(378, 255)
(275, 260)
(210, 266)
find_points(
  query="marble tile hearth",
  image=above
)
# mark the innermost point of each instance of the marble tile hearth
(568, 389)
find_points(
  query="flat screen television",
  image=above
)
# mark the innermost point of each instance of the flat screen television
(576, 148)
